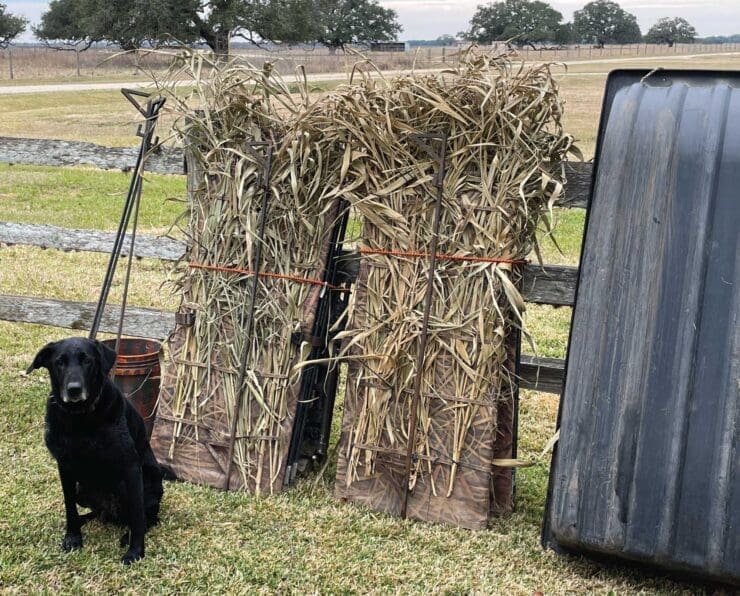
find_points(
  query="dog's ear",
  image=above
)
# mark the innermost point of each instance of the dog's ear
(107, 357)
(43, 358)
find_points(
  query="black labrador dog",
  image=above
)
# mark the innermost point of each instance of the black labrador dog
(100, 445)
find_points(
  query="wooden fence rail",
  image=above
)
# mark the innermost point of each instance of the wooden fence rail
(43, 152)
(548, 284)
(67, 239)
(551, 284)
(141, 322)
(543, 374)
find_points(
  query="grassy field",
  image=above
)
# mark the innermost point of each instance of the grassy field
(302, 541)
(105, 117)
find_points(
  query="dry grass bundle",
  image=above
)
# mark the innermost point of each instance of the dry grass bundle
(353, 147)
(505, 145)
(229, 106)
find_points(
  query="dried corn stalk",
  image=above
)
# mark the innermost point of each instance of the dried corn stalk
(226, 107)
(505, 147)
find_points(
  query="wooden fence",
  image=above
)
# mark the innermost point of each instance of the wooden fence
(550, 284)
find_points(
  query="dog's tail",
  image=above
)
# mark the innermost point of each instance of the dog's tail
(167, 472)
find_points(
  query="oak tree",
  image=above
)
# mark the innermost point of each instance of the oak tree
(519, 21)
(604, 21)
(11, 26)
(671, 30)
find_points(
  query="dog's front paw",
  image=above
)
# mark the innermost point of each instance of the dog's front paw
(71, 542)
(132, 554)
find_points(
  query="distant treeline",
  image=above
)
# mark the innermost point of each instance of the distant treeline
(414, 43)
(720, 39)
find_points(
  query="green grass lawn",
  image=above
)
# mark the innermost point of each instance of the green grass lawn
(301, 541)
(85, 197)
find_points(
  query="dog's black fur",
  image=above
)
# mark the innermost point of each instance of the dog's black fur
(99, 442)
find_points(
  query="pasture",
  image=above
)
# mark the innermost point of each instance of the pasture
(301, 541)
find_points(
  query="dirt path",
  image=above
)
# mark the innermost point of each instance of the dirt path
(57, 87)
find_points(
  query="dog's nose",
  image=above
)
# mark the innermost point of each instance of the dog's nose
(74, 390)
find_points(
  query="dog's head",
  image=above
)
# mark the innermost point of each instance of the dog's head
(77, 368)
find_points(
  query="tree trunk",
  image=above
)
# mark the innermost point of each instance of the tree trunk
(219, 43)
(77, 60)
(10, 61)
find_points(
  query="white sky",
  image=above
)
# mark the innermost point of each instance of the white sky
(428, 19)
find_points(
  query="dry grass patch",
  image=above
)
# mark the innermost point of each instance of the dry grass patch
(28, 271)
(103, 117)
(582, 88)
(720, 62)
(582, 97)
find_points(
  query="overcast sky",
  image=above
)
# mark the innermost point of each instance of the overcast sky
(428, 19)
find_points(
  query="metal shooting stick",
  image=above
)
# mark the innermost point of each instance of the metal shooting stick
(439, 155)
(146, 132)
(266, 163)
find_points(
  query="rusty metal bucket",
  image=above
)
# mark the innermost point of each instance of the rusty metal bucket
(137, 375)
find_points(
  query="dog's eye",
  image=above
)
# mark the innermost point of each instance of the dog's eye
(61, 361)
(83, 358)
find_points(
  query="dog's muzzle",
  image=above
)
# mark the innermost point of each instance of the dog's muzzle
(73, 393)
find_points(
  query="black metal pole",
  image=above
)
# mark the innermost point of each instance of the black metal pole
(439, 183)
(127, 278)
(266, 174)
(151, 114)
(332, 380)
(116, 250)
